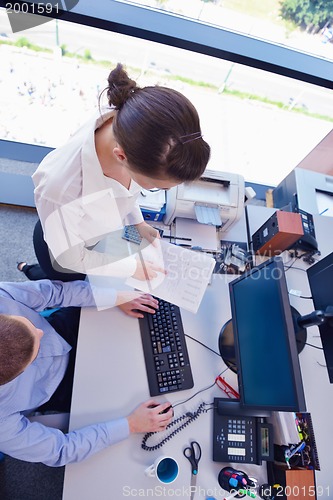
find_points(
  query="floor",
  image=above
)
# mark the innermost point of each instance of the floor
(21, 480)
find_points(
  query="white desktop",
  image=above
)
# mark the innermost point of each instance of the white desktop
(110, 380)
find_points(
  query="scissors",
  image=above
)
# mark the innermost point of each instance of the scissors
(193, 454)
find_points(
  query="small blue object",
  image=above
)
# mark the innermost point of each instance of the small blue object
(2, 456)
(210, 498)
(233, 482)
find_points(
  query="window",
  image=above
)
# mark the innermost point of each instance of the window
(259, 124)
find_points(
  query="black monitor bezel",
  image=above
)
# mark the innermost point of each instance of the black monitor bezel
(300, 404)
(325, 330)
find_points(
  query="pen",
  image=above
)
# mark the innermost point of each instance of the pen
(240, 479)
(237, 477)
(247, 492)
(176, 237)
(233, 495)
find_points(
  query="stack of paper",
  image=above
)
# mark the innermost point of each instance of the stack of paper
(285, 428)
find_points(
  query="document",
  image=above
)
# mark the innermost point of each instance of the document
(187, 274)
(285, 428)
(201, 235)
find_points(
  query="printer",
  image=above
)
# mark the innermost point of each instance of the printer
(217, 198)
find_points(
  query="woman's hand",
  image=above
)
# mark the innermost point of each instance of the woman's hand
(147, 270)
(148, 232)
(132, 303)
(149, 417)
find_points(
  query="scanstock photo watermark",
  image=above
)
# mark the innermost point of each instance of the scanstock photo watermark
(25, 15)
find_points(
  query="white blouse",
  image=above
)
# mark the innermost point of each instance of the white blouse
(79, 206)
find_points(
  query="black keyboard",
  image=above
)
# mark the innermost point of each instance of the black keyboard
(166, 357)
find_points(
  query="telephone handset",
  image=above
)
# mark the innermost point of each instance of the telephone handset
(241, 435)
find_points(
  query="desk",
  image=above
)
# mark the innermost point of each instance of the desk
(112, 388)
(106, 387)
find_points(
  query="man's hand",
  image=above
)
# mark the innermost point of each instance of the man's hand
(148, 232)
(148, 417)
(132, 303)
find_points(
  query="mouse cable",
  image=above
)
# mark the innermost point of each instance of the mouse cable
(193, 396)
(201, 390)
(203, 345)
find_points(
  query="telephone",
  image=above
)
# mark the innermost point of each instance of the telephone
(241, 435)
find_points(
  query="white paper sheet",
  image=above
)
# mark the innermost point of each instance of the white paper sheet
(324, 203)
(201, 235)
(188, 274)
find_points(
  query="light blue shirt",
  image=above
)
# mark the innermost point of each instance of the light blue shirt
(34, 442)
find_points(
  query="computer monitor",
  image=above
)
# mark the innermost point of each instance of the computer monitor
(320, 277)
(267, 361)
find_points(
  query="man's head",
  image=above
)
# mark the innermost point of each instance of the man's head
(19, 345)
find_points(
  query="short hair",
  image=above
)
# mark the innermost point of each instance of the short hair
(16, 347)
(158, 128)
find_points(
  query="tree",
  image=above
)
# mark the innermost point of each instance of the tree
(160, 4)
(308, 14)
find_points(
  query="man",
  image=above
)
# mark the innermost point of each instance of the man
(37, 365)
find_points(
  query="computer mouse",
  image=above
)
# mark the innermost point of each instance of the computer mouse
(163, 411)
(166, 410)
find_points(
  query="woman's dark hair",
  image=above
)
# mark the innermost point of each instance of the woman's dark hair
(16, 347)
(158, 129)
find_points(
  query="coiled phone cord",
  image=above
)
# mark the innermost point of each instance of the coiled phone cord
(188, 417)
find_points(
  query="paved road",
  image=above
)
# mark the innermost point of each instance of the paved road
(143, 54)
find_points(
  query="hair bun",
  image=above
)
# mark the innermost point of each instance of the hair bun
(120, 87)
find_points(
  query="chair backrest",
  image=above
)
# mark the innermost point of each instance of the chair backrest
(56, 420)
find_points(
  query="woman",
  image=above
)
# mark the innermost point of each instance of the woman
(148, 138)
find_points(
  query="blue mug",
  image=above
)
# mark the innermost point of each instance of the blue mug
(165, 469)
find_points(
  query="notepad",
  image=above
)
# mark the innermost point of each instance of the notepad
(188, 274)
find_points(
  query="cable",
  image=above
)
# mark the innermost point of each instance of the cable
(297, 268)
(201, 390)
(308, 257)
(297, 293)
(188, 417)
(314, 346)
(294, 258)
(204, 345)
(310, 345)
(193, 396)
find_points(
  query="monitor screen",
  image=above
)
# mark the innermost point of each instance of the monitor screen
(320, 277)
(268, 368)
